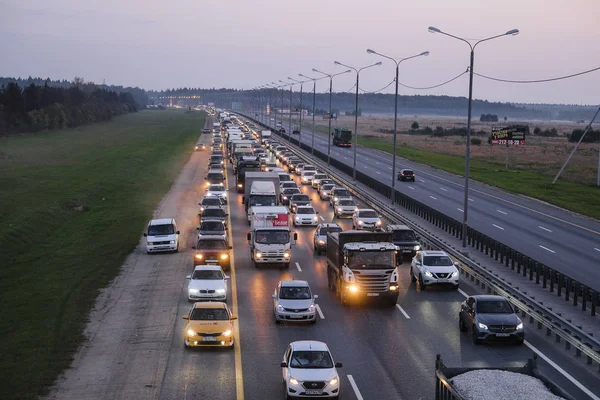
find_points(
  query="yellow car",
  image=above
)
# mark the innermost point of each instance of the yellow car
(208, 324)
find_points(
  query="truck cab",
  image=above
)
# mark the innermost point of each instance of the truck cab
(270, 237)
(342, 137)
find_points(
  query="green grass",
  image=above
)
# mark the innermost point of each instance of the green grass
(579, 198)
(73, 205)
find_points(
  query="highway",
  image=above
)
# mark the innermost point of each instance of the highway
(565, 241)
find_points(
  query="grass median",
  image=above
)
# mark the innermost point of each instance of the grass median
(576, 197)
(73, 205)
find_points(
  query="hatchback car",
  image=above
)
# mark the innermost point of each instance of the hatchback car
(209, 324)
(284, 196)
(294, 301)
(214, 176)
(308, 370)
(490, 318)
(306, 177)
(338, 193)
(320, 236)
(207, 283)
(200, 147)
(406, 175)
(367, 219)
(325, 191)
(323, 182)
(305, 215)
(430, 267)
(344, 207)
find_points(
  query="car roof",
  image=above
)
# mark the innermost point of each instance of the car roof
(399, 228)
(294, 283)
(309, 345)
(489, 297)
(207, 267)
(329, 225)
(434, 253)
(210, 304)
(162, 221)
(365, 209)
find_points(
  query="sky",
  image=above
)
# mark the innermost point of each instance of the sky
(247, 43)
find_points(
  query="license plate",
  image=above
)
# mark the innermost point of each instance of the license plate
(372, 294)
(502, 334)
(296, 316)
(313, 392)
(209, 339)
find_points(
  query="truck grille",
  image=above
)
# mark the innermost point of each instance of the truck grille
(373, 282)
(313, 384)
(273, 253)
(502, 328)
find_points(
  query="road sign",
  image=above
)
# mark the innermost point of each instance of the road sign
(510, 136)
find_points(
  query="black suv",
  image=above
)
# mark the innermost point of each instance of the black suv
(406, 175)
(405, 240)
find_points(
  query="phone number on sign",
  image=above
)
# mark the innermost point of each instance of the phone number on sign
(509, 142)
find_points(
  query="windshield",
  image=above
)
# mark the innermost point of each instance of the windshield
(289, 184)
(284, 178)
(437, 261)
(327, 187)
(262, 200)
(319, 176)
(291, 191)
(155, 230)
(212, 226)
(211, 201)
(311, 359)
(213, 212)
(342, 193)
(494, 307)
(207, 274)
(301, 197)
(305, 210)
(310, 168)
(217, 188)
(403, 235)
(370, 259)
(211, 244)
(209, 314)
(272, 237)
(294, 293)
(324, 230)
(347, 203)
(368, 214)
(345, 135)
(215, 177)
(407, 172)
(216, 159)
(308, 173)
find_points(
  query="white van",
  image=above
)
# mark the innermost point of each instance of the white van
(162, 235)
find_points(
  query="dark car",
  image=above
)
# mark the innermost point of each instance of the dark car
(215, 177)
(214, 214)
(216, 159)
(212, 250)
(295, 132)
(299, 200)
(406, 241)
(206, 130)
(490, 318)
(211, 228)
(286, 194)
(406, 175)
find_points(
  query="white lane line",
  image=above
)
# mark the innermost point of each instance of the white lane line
(345, 158)
(376, 163)
(470, 199)
(367, 158)
(460, 209)
(355, 388)
(497, 226)
(545, 248)
(378, 173)
(463, 292)
(298, 266)
(445, 190)
(545, 229)
(562, 371)
(421, 180)
(322, 219)
(410, 187)
(597, 249)
(502, 212)
(319, 311)
(435, 198)
(402, 311)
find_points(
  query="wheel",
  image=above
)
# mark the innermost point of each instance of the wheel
(476, 340)
(277, 321)
(461, 325)
(412, 276)
(329, 281)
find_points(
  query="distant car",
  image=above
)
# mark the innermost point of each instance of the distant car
(490, 318)
(406, 241)
(215, 176)
(269, 166)
(294, 301)
(344, 207)
(299, 200)
(431, 267)
(305, 215)
(296, 132)
(367, 219)
(406, 175)
(209, 324)
(325, 190)
(207, 283)
(212, 250)
(206, 130)
(200, 147)
(320, 236)
(286, 194)
(212, 228)
(317, 178)
(162, 235)
(307, 177)
(338, 193)
(217, 190)
(298, 168)
(214, 213)
(308, 370)
(324, 182)
(212, 202)
(288, 185)
(216, 159)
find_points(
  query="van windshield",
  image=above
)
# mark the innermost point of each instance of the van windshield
(156, 230)
(272, 237)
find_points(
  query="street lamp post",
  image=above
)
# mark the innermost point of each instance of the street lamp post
(329, 125)
(312, 146)
(300, 114)
(512, 32)
(356, 109)
(397, 62)
(290, 114)
(275, 113)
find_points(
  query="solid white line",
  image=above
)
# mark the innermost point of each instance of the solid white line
(463, 292)
(546, 229)
(411, 187)
(470, 199)
(545, 248)
(378, 173)
(460, 209)
(298, 266)
(445, 190)
(322, 219)
(376, 163)
(502, 212)
(389, 167)
(562, 371)
(433, 197)
(355, 388)
(597, 249)
(402, 311)
(499, 227)
(319, 311)
(367, 158)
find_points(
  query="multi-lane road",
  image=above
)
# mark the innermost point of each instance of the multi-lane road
(567, 242)
(136, 346)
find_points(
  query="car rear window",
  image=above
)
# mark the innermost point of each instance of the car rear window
(301, 197)
(324, 230)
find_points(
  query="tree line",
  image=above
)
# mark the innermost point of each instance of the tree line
(35, 108)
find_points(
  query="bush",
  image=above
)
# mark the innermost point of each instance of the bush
(590, 137)
(414, 125)
(537, 130)
(488, 118)
(475, 141)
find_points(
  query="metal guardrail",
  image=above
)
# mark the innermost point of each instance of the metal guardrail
(573, 335)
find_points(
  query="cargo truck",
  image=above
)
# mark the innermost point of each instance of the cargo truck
(270, 237)
(247, 164)
(342, 137)
(362, 265)
(260, 191)
(265, 135)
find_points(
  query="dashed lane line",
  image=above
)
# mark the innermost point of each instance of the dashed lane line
(355, 388)
(498, 226)
(435, 198)
(547, 249)
(402, 311)
(502, 212)
(298, 266)
(544, 229)
(319, 311)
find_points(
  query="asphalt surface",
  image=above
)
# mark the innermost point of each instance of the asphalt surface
(565, 241)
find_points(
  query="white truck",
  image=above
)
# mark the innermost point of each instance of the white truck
(270, 236)
(263, 194)
(265, 135)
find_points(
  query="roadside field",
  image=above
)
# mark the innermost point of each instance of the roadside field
(73, 205)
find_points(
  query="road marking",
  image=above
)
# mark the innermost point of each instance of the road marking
(433, 197)
(597, 249)
(421, 180)
(497, 226)
(411, 187)
(402, 311)
(378, 173)
(470, 199)
(445, 190)
(345, 158)
(545, 248)
(463, 292)
(298, 266)
(562, 371)
(319, 311)
(376, 163)
(502, 212)
(460, 209)
(355, 388)
(546, 229)
(367, 158)
(322, 219)
(389, 167)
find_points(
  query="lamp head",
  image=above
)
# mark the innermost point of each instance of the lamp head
(337, 63)
(378, 63)
(425, 53)
(433, 29)
(513, 32)
(371, 51)
(347, 71)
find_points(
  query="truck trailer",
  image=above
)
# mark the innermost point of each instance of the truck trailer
(250, 179)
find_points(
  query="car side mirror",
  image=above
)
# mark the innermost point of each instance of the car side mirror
(205, 178)
(249, 236)
(227, 215)
(317, 212)
(188, 277)
(230, 247)
(145, 235)
(198, 228)
(456, 263)
(226, 277)
(233, 318)
(177, 232)
(194, 247)
(338, 365)
(316, 296)
(274, 296)
(417, 263)
(186, 317)
(284, 365)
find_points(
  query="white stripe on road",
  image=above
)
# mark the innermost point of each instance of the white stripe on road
(378, 173)
(298, 266)
(445, 190)
(389, 167)
(355, 388)
(421, 180)
(463, 292)
(546, 229)
(367, 158)
(597, 249)
(376, 163)
(460, 209)
(545, 248)
(411, 187)
(319, 311)
(345, 158)
(402, 311)
(470, 199)
(322, 219)
(499, 227)
(502, 212)
(433, 197)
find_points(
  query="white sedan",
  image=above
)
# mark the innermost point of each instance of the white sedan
(207, 282)
(305, 215)
(217, 190)
(366, 218)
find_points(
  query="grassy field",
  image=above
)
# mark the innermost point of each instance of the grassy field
(580, 198)
(73, 205)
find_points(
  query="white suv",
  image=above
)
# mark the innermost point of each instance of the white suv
(431, 267)
(162, 235)
(308, 370)
(366, 218)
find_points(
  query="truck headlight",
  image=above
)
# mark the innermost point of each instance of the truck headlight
(429, 274)
(353, 288)
(224, 256)
(227, 332)
(191, 332)
(393, 287)
(220, 291)
(285, 197)
(321, 242)
(239, 185)
(258, 255)
(417, 248)
(482, 326)
(335, 199)
(286, 255)
(198, 256)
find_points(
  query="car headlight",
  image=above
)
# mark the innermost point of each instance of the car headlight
(315, 218)
(227, 332)
(220, 291)
(258, 255)
(482, 326)
(417, 248)
(224, 256)
(520, 326)
(335, 199)
(191, 332)
(239, 185)
(360, 222)
(378, 222)
(196, 147)
(297, 219)
(201, 209)
(286, 255)
(285, 197)
(193, 290)
(339, 209)
(321, 242)
(454, 274)
(353, 288)
(279, 307)
(311, 308)
(334, 381)
(224, 194)
(198, 256)
(293, 381)
(429, 274)
(172, 242)
(150, 243)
